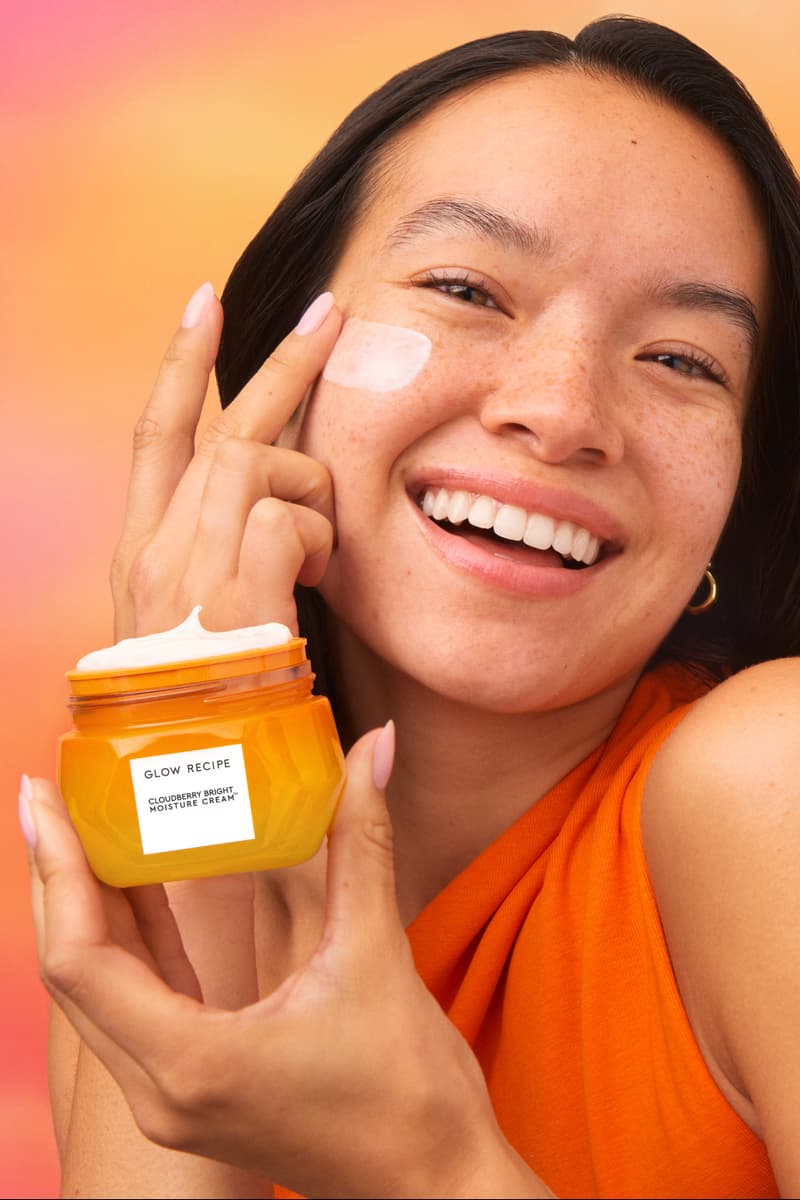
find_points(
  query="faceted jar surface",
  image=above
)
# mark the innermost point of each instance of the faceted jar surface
(201, 769)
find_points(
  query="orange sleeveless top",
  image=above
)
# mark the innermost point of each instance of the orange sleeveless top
(547, 953)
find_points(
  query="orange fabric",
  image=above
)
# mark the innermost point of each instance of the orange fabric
(548, 954)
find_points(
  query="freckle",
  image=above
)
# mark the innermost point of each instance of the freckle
(634, 142)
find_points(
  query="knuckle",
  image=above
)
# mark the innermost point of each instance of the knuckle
(60, 973)
(234, 454)
(278, 363)
(163, 1126)
(145, 575)
(274, 516)
(319, 487)
(175, 354)
(221, 429)
(118, 573)
(146, 432)
(378, 833)
(189, 1085)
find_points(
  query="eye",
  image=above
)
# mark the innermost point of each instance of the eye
(460, 287)
(693, 364)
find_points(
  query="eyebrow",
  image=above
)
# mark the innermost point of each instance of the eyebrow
(452, 214)
(734, 305)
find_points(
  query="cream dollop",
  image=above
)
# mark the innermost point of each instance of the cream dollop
(186, 641)
(376, 357)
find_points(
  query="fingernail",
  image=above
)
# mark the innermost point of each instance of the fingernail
(197, 306)
(383, 756)
(25, 816)
(315, 314)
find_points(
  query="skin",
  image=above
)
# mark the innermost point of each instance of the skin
(657, 449)
(580, 383)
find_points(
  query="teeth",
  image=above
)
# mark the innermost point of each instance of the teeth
(562, 539)
(460, 504)
(512, 523)
(483, 512)
(580, 541)
(539, 532)
(441, 505)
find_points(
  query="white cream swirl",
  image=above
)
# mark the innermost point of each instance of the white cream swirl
(189, 640)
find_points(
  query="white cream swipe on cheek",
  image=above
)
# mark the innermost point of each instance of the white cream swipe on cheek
(376, 357)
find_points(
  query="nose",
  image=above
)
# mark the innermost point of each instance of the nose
(556, 394)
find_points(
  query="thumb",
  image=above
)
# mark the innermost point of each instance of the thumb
(68, 911)
(361, 896)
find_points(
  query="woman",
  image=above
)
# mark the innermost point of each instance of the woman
(551, 374)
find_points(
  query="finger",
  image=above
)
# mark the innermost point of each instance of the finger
(113, 998)
(112, 914)
(268, 400)
(282, 544)
(362, 913)
(164, 435)
(29, 833)
(159, 932)
(259, 412)
(244, 472)
(55, 841)
(66, 855)
(37, 903)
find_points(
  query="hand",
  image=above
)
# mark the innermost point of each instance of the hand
(348, 1080)
(233, 523)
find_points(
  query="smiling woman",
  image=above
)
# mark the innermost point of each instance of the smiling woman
(550, 374)
(588, 391)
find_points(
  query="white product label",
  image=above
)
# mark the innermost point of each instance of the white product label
(193, 798)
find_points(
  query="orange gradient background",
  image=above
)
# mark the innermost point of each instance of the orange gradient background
(143, 145)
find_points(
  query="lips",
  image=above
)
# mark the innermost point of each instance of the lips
(513, 534)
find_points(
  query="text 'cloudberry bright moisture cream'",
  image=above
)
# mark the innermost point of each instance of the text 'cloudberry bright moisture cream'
(198, 753)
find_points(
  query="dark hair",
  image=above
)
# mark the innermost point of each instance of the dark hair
(757, 561)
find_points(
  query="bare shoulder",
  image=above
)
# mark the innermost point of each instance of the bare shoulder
(729, 771)
(721, 834)
(742, 735)
(725, 786)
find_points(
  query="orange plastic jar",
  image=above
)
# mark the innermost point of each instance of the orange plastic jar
(204, 767)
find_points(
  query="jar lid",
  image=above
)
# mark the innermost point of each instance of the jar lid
(195, 670)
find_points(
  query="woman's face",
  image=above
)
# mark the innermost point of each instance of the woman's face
(588, 267)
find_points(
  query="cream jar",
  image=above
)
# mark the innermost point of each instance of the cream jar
(216, 760)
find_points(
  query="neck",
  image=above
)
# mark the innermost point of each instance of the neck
(451, 792)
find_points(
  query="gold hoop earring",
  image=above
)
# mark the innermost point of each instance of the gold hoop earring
(710, 599)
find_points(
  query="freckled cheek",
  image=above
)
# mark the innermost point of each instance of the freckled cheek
(343, 425)
(693, 469)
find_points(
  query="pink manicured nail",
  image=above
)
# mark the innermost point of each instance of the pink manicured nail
(383, 756)
(315, 314)
(25, 817)
(197, 306)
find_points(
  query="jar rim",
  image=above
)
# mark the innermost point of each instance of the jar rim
(188, 671)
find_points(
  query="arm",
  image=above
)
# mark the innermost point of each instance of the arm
(102, 1151)
(197, 522)
(109, 1157)
(347, 1080)
(721, 830)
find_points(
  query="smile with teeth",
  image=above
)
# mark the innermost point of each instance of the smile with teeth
(514, 524)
